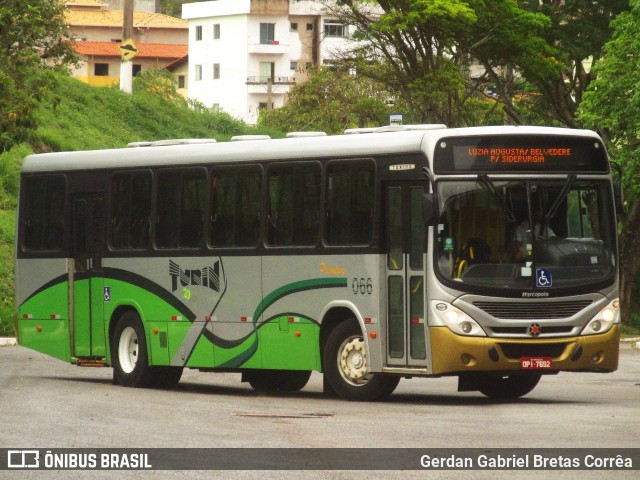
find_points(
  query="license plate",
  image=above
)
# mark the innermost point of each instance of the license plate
(535, 363)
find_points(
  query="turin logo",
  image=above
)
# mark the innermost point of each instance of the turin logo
(208, 276)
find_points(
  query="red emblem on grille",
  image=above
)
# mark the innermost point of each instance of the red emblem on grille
(534, 330)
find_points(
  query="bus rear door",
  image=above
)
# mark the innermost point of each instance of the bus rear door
(87, 285)
(405, 275)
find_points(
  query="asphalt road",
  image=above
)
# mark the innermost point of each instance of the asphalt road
(46, 403)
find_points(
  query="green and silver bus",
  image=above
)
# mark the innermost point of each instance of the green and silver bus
(485, 253)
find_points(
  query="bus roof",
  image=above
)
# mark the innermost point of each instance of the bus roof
(336, 146)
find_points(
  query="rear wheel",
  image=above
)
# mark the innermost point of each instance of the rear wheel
(131, 360)
(271, 381)
(507, 387)
(346, 367)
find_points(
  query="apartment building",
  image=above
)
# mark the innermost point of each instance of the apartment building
(245, 55)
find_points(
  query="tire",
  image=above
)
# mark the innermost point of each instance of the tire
(507, 387)
(130, 357)
(165, 377)
(273, 381)
(346, 368)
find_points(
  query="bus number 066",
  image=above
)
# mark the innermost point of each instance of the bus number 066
(362, 286)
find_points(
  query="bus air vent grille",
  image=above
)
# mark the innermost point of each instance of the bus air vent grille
(533, 310)
(518, 350)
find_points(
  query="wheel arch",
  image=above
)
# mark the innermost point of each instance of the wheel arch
(117, 313)
(333, 315)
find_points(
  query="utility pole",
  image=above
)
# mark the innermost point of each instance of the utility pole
(269, 91)
(126, 67)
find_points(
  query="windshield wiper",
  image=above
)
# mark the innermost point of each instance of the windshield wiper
(484, 179)
(561, 196)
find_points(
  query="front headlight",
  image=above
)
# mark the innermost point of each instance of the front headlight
(457, 321)
(604, 320)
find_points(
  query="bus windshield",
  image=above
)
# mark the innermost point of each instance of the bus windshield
(525, 234)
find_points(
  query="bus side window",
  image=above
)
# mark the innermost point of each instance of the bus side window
(349, 205)
(44, 213)
(192, 209)
(181, 205)
(236, 197)
(294, 204)
(130, 210)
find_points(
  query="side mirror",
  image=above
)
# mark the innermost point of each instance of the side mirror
(429, 209)
(618, 194)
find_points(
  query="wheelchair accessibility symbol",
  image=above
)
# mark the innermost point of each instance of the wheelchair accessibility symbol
(543, 278)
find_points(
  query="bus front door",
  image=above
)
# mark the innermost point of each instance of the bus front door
(405, 276)
(88, 338)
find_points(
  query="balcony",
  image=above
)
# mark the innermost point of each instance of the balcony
(264, 79)
(279, 85)
(272, 48)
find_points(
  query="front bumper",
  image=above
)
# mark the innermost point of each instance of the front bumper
(452, 353)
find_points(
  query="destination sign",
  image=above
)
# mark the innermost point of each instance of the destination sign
(520, 154)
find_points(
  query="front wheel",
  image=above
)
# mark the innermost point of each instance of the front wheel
(508, 387)
(346, 367)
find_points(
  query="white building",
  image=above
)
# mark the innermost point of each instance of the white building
(246, 54)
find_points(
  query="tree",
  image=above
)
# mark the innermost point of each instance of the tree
(158, 81)
(612, 106)
(578, 31)
(410, 47)
(330, 101)
(173, 7)
(532, 52)
(34, 40)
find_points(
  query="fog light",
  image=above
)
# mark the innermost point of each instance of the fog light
(466, 327)
(468, 360)
(596, 326)
(596, 358)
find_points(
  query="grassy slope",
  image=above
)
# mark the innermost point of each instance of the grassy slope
(80, 117)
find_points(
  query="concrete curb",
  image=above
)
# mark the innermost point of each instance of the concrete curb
(635, 342)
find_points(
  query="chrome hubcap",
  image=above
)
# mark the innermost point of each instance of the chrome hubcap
(352, 361)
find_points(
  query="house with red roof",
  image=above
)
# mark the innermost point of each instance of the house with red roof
(161, 41)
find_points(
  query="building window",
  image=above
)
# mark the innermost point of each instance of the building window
(309, 27)
(182, 81)
(267, 71)
(198, 32)
(216, 31)
(216, 71)
(198, 72)
(137, 68)
(294, 27)
(293, 65)
(334, 29)
(267, 33)
(101, 69)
